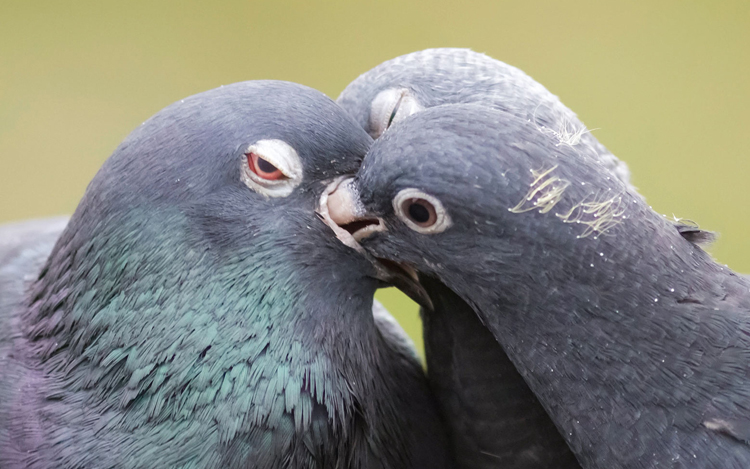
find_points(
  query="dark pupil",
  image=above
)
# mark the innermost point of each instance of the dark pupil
(265, 166)
(419, 212)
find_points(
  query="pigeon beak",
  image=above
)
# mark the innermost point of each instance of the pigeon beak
(347, 211)
(405, 278)
(341, 209)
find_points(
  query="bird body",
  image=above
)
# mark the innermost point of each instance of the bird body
(632, 337)
(195, 312)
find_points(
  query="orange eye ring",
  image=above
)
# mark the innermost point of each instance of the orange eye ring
(263, 168)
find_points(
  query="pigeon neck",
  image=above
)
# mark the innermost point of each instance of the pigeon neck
(614, 329)
(148, 326)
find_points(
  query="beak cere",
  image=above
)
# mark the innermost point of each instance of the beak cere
(341, 210)
(343, 206)
(346, 211)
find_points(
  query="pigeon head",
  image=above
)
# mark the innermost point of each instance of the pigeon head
(241, 161)
(413, 82)
(465, 185)
(221, 183)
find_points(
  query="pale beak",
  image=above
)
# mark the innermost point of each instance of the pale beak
(341, 209)
(347, 211)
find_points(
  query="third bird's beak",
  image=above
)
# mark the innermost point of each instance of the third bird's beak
(341, 209)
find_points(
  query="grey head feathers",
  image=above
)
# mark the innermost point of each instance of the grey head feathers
(633, 338)
(195, 312)
(433, 77)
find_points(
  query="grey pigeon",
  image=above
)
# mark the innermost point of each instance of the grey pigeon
(196, 312)
(634, 339)
(493, 418)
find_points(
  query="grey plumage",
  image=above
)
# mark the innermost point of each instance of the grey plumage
(184, 320)
(632, 337)
(480, 393)
(24, 246)
(494, 420)
(434, 77)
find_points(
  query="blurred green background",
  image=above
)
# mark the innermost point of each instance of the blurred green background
(666, 83)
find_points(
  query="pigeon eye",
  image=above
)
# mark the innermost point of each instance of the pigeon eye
(391, 106)
(421, 212)
(263, 168)
(271, 168)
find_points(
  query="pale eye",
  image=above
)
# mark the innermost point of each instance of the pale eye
(271, 168)
(421, 212)
(391, 106)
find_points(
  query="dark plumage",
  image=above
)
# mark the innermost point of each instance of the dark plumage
(480, 393)
(192, 314)
(633, 338)
(494, 420)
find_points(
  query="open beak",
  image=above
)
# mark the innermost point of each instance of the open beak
(341, 209)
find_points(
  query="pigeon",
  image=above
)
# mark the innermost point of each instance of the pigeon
(196, 312)
(632, 337)
(493, 418)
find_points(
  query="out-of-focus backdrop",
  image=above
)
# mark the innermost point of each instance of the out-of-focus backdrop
(666, 84)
